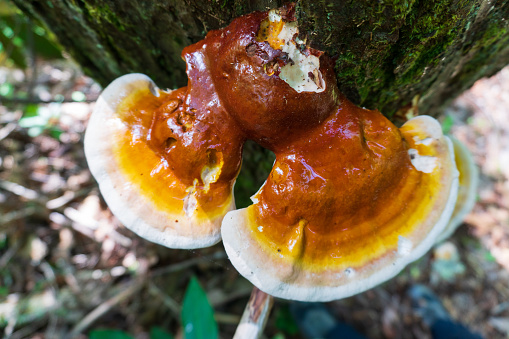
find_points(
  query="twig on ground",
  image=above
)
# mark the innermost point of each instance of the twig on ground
(100, 310)
(19, 190)
(7, 129)
(6, 257)
(27, 331)
(67, 197)
(51, 278)
(16, 215)
(168, 301)
(255, 315)
(32, 59)
(225, 318)
(240, 293)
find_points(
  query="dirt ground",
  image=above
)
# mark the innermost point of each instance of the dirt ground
(68, 266)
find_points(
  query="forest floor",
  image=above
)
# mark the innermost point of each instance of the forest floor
(68, 266)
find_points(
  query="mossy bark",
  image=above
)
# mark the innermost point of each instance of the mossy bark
(388, 52)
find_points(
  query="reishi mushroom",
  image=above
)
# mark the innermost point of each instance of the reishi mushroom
(467, 190)
(351, 198)
(163, 167)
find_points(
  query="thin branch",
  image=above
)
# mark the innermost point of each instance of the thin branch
(133, 287)
(32, 58)
(255, 315)
(188, 263)
(226, 318)
(5, 131)
(168, 301)
(19, 190)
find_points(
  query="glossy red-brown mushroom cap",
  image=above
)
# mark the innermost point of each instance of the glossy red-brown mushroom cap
(351, 198)
(346, 207)
(165, 172)
(249, 74)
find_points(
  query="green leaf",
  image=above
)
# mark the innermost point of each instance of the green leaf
(159, 333)
(197, 314)
(8, 32)
(4, 291)
(31, 110)
(55, 132)
(285, 321)
(44, 44)
(489, 257)
(15, 53)
(109, 334)
(35, 121)
(447, 124)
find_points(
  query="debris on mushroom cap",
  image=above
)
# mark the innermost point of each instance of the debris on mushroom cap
(302, 69)
(467, 191)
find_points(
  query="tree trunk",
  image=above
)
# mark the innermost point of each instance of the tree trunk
(388, 52)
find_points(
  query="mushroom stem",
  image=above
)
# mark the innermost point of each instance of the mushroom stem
(255, 315)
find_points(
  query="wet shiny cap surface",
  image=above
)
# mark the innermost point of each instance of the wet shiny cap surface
(351, 198)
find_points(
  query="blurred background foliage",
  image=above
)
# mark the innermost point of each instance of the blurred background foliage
(20, 36)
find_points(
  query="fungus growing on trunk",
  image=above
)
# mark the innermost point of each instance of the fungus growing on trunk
(351, 198)
(467, 190)
(164, 164)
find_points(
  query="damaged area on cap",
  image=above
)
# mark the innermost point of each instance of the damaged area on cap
(422, 163)
(212, 171)
(329, 224)
(429, 131)
(129, 153)
(301, 69)
(467, 191)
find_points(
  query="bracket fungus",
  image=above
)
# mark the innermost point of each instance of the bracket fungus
(351, 199)
(467, 190)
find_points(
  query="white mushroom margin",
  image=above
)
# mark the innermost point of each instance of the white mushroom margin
(122, 198)
(242, 250)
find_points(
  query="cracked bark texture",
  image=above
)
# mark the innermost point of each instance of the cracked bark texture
(388, 53)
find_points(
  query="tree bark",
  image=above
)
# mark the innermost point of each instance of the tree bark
(388, 52)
